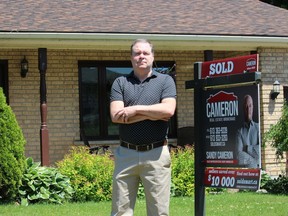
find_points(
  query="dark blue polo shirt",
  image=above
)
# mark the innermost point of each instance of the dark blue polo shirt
(151, 91)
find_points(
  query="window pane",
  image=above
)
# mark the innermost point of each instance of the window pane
(285, 89)
(4, 78)
(89, 97)
(111, 74)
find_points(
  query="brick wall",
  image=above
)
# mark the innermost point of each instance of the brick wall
(274, 66)
(63, 98)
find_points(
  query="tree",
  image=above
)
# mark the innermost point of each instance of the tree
(12, 159)
(278, 133)
(278, 3)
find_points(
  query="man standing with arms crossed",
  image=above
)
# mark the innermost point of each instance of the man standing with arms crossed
(142, 103)
(247, 138)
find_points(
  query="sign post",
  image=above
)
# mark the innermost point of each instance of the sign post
(227, 134)
(199, 153)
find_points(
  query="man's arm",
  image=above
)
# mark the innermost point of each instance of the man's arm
(117, 114)
(241, 149)
(127, 115)
(163, 110)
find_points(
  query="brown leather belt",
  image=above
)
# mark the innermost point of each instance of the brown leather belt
(145, 147)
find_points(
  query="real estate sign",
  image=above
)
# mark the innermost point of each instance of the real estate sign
(230, 128)
(229, 66)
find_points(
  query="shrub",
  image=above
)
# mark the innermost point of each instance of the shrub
(264, 178)
(141, 192)
(44, 185)
(183, 171)
(12, 159)
(90, 174)
(277, 186)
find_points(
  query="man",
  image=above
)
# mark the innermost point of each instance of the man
(247, 139)
(142, 103)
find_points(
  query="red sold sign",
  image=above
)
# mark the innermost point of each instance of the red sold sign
(229, 66)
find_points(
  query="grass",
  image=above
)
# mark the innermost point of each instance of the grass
(236, 204)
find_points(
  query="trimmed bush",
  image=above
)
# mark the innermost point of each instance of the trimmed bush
(12, 159)
(90, 174)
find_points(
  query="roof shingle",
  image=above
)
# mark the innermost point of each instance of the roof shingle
(213, 17)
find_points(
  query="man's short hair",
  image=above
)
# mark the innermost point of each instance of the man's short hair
(142, 41)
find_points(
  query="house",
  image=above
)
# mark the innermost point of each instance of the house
(88, 43)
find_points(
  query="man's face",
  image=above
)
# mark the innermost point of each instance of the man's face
(248, 109)
(142, 57)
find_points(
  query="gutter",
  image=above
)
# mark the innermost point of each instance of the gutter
(123, 41)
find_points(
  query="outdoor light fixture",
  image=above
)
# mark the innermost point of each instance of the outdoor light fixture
(276, 90)
(24, 67)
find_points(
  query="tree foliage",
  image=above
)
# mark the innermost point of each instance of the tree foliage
(12, 159)
(278, 133)
(278, 3)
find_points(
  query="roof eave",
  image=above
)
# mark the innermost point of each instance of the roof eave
(117, 41)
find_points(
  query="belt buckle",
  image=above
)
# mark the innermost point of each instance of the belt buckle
(142, 148)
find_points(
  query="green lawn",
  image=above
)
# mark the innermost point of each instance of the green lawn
(234, 204)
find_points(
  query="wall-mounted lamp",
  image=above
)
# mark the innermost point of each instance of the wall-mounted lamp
(24, 67)
(276, 90)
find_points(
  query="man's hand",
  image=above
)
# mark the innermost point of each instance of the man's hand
(126, 113)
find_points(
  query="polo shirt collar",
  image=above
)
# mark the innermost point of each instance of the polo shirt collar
(249, 124)
(154, 74)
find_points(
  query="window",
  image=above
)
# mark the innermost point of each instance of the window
(285, 90)
(95, 81)
(4, 78)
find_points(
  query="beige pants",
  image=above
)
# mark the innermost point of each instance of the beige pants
(153, 168)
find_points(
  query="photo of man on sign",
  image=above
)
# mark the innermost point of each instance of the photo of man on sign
(247, 138)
